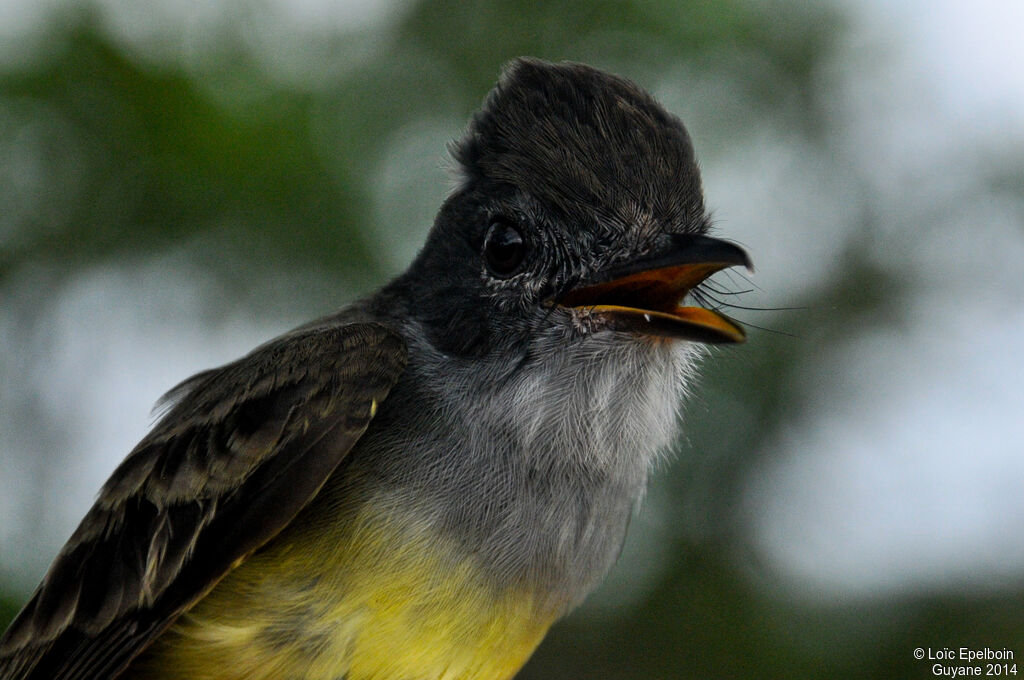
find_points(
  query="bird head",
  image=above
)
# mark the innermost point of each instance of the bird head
(579, 213)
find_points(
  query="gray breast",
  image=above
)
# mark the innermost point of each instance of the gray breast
(535, 473)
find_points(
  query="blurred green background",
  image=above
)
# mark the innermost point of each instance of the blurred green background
(180, 181)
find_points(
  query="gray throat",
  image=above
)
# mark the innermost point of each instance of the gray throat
(535, 469)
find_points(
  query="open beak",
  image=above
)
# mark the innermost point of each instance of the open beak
(644, 296)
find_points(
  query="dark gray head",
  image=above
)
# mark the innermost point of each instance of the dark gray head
(597, 152)
(571, 177)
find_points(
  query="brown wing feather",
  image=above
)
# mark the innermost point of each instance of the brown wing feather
(233, 461)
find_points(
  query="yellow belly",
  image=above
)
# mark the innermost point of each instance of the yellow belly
(370, 600)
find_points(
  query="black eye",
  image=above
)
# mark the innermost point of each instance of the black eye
(504, 248)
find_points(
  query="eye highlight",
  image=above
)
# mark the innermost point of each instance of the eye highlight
(504, 247)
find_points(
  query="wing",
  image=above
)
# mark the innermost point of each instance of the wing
(231, 464)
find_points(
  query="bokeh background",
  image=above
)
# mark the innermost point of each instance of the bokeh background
(181, 180)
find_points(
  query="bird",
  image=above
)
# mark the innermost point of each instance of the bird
(418, 485)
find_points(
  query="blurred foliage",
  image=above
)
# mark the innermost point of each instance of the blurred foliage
(148, 158)
(137, 155)
(112, 153)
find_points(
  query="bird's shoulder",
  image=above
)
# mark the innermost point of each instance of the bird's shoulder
(239, 451)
